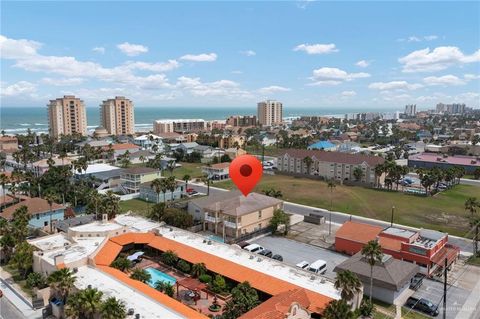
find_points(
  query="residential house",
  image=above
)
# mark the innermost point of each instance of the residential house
(217, 172)
(40, 167)
(147, 193)
(187, 148)
(148, 140)
(234, 152)
(430, 160)
(426, 248)
(391, 277)
(232, 214)
(323, 145)
(141, 156)
(120, 149)
(41, 216)
(132, 178)
(8, 143)
(105, 176)
(330, 165)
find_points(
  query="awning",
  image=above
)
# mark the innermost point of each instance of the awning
(135, 256)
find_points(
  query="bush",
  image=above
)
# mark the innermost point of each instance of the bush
(206, 279)
(183, 266)
(218, 285)
(35, 279)
(169, 258)
(366, 308)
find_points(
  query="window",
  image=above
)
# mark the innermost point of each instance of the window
(259, 214)
(45, 223)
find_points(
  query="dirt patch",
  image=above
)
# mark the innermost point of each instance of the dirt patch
(448, 220)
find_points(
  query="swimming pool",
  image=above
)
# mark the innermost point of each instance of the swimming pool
(157, 275)
(215, 238)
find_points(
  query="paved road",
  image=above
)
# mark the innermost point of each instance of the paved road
(294, 252)
(12, 306)
(340, 218)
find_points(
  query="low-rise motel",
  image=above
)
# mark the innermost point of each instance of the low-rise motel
(90, 249)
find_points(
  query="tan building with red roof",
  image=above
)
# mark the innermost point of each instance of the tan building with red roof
(330, 165)
(8, 143)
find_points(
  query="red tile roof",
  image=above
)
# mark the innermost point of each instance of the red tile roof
(119, 147)
(108, 253)
(278, 306)
(358, 232)
(335, 157)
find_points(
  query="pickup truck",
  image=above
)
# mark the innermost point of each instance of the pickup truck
(422, 305)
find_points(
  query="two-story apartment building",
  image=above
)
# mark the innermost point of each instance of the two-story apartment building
(41, 216)
(233, 214)
(147, 193)
(217, 172)
(131, 178)
(329, 165)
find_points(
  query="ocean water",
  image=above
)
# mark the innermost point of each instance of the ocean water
(16, 120)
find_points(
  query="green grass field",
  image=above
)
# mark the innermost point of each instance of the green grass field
(443, 212)
(138, 206)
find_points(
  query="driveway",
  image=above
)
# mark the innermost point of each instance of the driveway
(294, 252)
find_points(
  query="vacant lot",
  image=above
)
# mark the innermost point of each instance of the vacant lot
(138, 206)
(445, 211)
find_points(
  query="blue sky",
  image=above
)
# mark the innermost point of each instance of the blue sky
(306, 54)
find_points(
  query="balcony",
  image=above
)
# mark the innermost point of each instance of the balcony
(210, 219)
(232, 225)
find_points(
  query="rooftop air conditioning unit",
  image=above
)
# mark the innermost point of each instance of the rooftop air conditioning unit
(259, 259)
(322, 280)
(209, 242)
(75, 270)
(252, 256)
(204, 241)
(312, 277)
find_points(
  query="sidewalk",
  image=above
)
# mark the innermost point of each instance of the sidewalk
(16, 296)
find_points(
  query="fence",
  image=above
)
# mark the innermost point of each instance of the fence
(254, 234)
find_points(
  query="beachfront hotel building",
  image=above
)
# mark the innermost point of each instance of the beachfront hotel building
(67, 116)
(117, 116)
(269, 112)
(178, 126)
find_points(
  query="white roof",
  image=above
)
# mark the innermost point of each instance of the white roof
(98, 168)
(169, 121)
(96, 227)
(111, 287)
(267, 266)
(135, 223)
(147, 137)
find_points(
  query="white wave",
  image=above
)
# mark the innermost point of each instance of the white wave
(24, 124)
(40, 124)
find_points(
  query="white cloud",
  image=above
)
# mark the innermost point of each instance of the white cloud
(225, 88)
(316, 48)
(100, 50)
(438, 59)
(154, 67)
(237, 72)
(394, 85)
(334, 76)
(248, 53)
(414, 38)
(132, 49)
(63, 81)
(445, 80)
(204, 57)
(273, 89)
(17, 49)
(348, 93)
(19, 88)
(397, 97)
(469, 77)
(362, 63)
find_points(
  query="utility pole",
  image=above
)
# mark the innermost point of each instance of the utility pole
(391, 219)
(445, 270)
(263, 154)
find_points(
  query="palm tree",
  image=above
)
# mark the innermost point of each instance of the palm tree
(198, 269)
(349, 284)
(122, 263)
(92, 301)
(157, 186)
(206, 179)
(142, 159)
(140, 275)
(171, 166)
(171, 185)
(61, 281)
(373, 254)
(358, 173)
(4, 180)
(112, 308)
(95, 198)
(471, 204)
(186, 178)
(331, 184)
(51, 197)
(338, 309)
(308, 162)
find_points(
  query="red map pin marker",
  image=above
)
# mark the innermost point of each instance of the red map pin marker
(245, 171)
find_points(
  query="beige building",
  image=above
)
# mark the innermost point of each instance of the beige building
(178, 126)
(117, 116)
(269, 112)
(330, 165)
(8, 143)
(67, 116)
(131, 178)
(233, 214)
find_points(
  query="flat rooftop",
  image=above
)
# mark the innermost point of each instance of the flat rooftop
(168, 121)
(135, 223)
(454, 160)
(112, 287)
(399, 232)
(96, 227)
(268, 266)
(98, 168)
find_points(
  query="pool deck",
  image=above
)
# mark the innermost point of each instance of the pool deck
(201, 305)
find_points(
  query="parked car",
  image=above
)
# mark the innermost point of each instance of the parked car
(266, 253)
(277, 257)
(243, 244)
(422, 305)
(416, 281)
(318, 267)
(253, 248)
(303, 264)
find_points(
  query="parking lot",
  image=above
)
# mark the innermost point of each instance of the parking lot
(294, 252)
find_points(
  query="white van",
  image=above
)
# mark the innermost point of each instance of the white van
(318, 267)
(254, 248)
